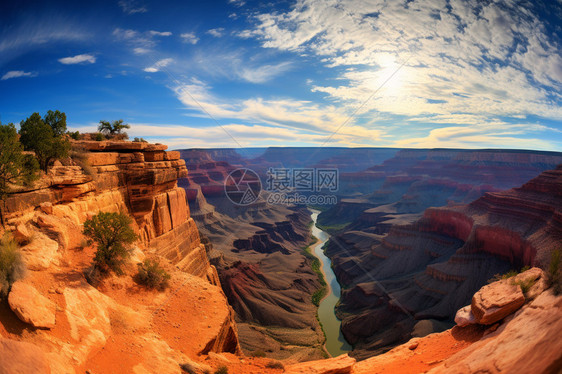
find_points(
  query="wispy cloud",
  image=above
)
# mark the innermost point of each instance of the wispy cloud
(263, 73)
(140, 42)
(160, 33)
(140, 51)
(78, 59)
(34, 31)
(17, 74)
(132, 6)
(159, 65)
(463, 58)
(217, 33)
(282, 113)
(189, 37)
(238, 3)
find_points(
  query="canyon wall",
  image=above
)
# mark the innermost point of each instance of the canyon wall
(428, 269)
(258, 252)
(140, 180)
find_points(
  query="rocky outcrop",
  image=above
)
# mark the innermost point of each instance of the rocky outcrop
(495, 301)
(337, 365)
(134, 177)
(528, 342)
(77, 323)
(30, 306)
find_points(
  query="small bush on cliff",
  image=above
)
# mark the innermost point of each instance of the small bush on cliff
(222, 370)
(12, 266)
(15, 166)
(555, 271)
(275, 365)
(152, 275)
(509, 274)
(112, 232)
(114, 129)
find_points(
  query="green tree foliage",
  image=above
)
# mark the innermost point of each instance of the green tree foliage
(112, 232)
(57, 121)
(152, 275)
(555, 271)
(113, 128)
(40, 136)
(12, 266)
(15, 166)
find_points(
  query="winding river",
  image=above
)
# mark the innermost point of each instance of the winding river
(335, 342)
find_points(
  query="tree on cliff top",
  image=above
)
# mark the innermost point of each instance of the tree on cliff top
(112, 232)
(45, 137)
(113, 128)
(15, 166)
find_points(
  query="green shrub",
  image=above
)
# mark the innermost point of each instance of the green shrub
(139, 140)
(222, 370)
(74, 134)
(555, 271)
(12, 267)
(275, 365)
(112, 232)
(258, 354)
(509, 274)
(152, 275)
(99, 137)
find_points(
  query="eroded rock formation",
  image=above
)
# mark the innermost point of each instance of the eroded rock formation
(82, 327)
(430, 268)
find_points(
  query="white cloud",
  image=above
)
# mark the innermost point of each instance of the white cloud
(132, 6)
(78, 59)
(125, 34)
(238, 3)
(141, 51)
(141, 43)
(281, 113)
(160, 33)
(159, 65)
(189, 37)
(217, 33)
(263, 73)
(460, 61)
(17, 74)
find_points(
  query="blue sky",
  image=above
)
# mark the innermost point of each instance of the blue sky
(431, 73)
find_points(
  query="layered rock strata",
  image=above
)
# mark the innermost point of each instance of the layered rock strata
(429, 269)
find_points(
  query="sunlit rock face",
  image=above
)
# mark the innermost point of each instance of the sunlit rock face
(133, 177)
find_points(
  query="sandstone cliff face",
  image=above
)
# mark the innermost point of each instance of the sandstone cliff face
(428, 269)
(136, 178)
(139, 179)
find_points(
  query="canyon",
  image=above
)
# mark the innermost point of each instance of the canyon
(407, 267)
(415, 237)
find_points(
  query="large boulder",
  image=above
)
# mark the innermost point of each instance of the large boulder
(528, 343)
(41, 252)
(337, 365)
(30, 306)
(22, 358)
(464, 317)
(496, 301)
